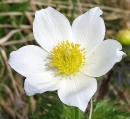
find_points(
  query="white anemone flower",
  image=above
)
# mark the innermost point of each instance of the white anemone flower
(69, 57)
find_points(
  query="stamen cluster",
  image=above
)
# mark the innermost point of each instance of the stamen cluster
(67, 57)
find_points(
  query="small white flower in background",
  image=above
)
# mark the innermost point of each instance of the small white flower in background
(69, 57)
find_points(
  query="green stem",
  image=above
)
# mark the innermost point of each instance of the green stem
(76, 113)
(91, 109)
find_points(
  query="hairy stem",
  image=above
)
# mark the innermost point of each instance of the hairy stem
(91, 109)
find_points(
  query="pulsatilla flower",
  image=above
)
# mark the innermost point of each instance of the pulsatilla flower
(69, 57)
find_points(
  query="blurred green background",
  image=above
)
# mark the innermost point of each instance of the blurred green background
(16, 19)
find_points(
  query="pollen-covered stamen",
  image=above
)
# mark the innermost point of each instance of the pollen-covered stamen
(67, 57)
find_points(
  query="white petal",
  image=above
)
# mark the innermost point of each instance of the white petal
(89, 29)
(28, 59)
(102, 58)
(77, 91)
(51, 27)
(41, 82)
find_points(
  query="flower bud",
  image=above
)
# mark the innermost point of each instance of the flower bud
(123, 36)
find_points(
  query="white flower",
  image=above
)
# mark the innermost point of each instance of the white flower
(70, 57)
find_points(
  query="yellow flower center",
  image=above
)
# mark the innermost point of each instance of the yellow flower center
(67, 57)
